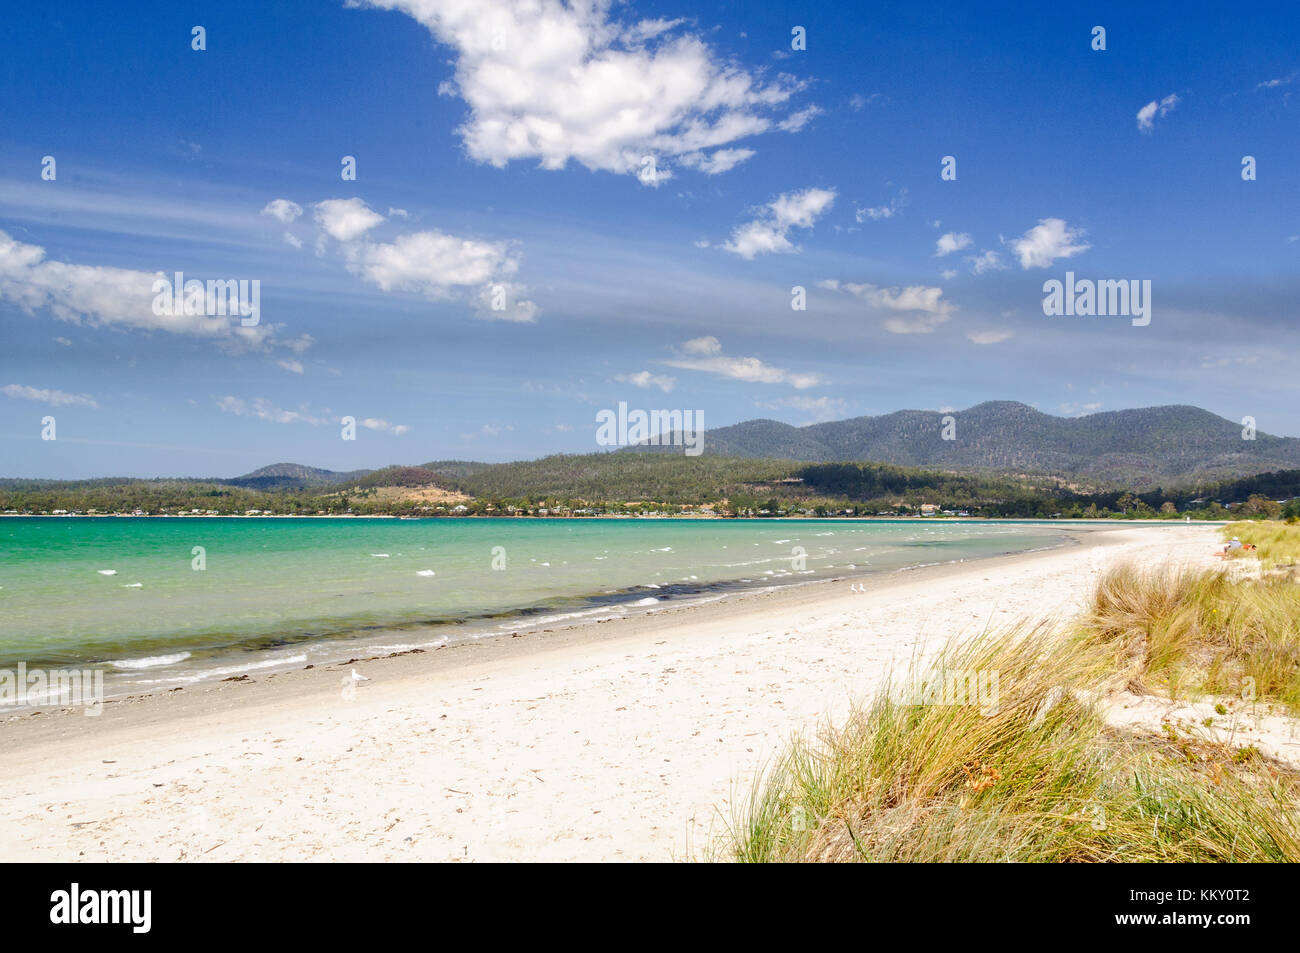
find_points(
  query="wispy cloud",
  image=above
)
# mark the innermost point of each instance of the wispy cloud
(988, 337)
(1079, 410)
(705, 354)
(987, 260)
(926, 304)
(644, 379)
(105, 296)
(818, 408)
(770, 231)
(263, 409)
(55, 398)
(1278, 81)
(883, 212)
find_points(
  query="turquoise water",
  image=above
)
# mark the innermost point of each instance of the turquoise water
(282, 591)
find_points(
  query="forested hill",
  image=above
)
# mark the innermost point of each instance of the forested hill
(1135, 448)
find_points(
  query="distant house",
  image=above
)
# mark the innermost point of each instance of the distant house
(929, 509)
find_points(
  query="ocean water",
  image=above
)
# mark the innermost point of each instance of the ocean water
(125, 594)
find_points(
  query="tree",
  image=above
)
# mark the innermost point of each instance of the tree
(1259, 505)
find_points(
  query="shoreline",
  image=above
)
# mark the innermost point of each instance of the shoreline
(1115, 521)
(434, 635)
(605, 740)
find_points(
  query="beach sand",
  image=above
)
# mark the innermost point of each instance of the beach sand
(625, 740)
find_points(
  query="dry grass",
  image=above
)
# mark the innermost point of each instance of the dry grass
(1190, 632)
(1040, 776)
(1276, 544)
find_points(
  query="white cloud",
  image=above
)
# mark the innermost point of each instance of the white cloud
(989, 337)
(883, 212)
(55, 398)
(282, 209)
(796, 121)
(104, 296)
(294, 367)
(1146, 116)
(644, 379)
(821, 408)
(557, 82)
(986, 260)
(705, 354)
(375, 423)
(291, 239)
(951, 242)
(1278, 81)
(1050, 239)
(911, 298)
(1080, 410)
(718, 161)
(263, 409)
(1240, 359)
(705, 345)
(346, 219)
(432, 263)
(857, 101)
(506, 301)
(927, 308)
(768, 233)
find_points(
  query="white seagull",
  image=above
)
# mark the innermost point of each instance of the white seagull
(358, 678)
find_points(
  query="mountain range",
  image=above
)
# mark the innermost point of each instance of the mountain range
(1136, 448)
(1175, 445)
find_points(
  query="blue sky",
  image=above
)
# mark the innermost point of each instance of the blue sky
(502, 146)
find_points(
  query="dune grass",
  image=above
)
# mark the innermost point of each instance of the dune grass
(1040, 776)
(1192, 632)
(1277, 544)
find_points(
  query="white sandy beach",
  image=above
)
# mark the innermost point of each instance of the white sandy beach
(618, 741)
